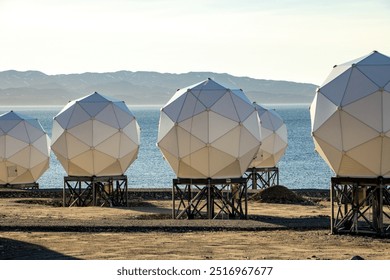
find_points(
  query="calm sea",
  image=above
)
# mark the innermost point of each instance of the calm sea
(301, 167)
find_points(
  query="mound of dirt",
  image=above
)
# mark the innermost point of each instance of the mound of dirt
(280, 194)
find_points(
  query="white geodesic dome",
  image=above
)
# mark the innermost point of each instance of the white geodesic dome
(95, 136)
(24, 149)
(274, 138)
(209, 131)
(351, 117)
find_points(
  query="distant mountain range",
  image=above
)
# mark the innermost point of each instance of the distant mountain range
(137, 88)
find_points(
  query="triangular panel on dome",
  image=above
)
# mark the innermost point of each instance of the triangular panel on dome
(186, 171)
(169, 142)
(56, 131)
(337, 71)
(367, 154)
(172, 160)
(265, 133)
(277, 156)
(60, 146)
(101, 161)
(75, 146)
(350, 167)
(2, 148)
(165, 125)
(85, 160)
(359, 86)
(21, 157)
(252, 124)
(229, 143)
(266, 123)
(132, 130)
(25, 177)
(126, 145)
(375, 58)
(329, 154)
(123, 117)
(379, 74)
(275, 119)
(188, 107)
(42, 144)
(77, 117)
(13, 145)
(199, 160)
(102, 132)
(246, 159)
(335, 89)
(173, 110)
(200, 126)
(108, 116)
(368, 110)
(36, 157)
(243, 108)
(219, 126)
(38, 170)
(239, 93)
(83, 132)
(184, 144)
(282, 132)
(93, 108)
(7, 125)
(187, 143)
(354, 132)
(225, 107)
(112, 170)
(229, 171)
(220, 160)
(279, 144)
(247, 142)
(33, 132)
(330, 132)
(322, 113)
(19, 132)
(76, 170)
(111, 145)
(128, 159)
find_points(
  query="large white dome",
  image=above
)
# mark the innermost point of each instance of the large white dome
(274, 138)
(209, 131)
(351, 117)
(24, 149)
(95, 136)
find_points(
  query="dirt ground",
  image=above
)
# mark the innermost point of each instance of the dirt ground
(36, 228)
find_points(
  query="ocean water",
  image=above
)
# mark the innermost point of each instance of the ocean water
(301, 167)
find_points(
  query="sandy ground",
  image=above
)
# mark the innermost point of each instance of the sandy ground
(31, 230)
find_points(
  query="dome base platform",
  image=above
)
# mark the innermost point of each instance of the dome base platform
(262, 177)
(209, 198)
(95, 191)
(360, 206)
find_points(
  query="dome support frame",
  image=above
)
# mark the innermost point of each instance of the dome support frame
(360, 206)
(95, 191)
(209, 198)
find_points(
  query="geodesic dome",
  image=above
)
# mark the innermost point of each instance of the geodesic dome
(209, 131)
(351, 117)
(274, 138)
(95, 136)
(24, 149)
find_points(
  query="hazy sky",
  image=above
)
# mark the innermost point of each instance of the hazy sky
(295, 40)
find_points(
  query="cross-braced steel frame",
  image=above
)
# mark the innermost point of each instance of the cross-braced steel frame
(95, 191)
(262, 178)
(209, 198)
(360, 205)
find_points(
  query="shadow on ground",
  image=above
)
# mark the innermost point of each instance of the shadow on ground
(11, 249)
